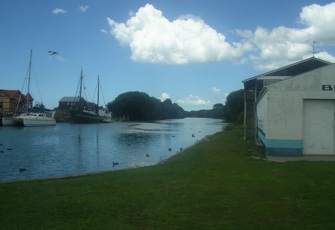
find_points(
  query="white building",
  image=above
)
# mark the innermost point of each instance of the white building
(294, 109)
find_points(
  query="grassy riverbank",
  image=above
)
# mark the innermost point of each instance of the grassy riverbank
(212, 185)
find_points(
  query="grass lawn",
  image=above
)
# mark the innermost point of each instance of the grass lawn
(212, 185)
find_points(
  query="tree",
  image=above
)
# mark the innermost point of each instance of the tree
(39, 107)
(234, 107)
(141, 107)
(217, 111)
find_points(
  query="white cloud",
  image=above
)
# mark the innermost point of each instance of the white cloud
(104, 31)
(59, 11)
(282, 45)
(215, 90)
(83, 9)
(164, 96)
(152, 38)
(193, 100)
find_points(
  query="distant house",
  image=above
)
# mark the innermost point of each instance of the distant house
(77, 103)
(291, 110)
(14, 101)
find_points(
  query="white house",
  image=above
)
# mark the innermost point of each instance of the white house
(294, 113)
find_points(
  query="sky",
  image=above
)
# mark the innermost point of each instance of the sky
(194, 52)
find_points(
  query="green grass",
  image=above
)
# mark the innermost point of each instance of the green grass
(212, 185)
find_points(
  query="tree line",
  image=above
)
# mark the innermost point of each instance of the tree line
(140, 106)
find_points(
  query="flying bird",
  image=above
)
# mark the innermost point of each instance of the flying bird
(52, 52)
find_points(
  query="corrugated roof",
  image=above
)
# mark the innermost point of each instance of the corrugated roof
(289, 70)
(69, 99)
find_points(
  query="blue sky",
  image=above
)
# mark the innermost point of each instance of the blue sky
(194, 52)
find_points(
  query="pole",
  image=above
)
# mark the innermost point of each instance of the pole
(28, 93)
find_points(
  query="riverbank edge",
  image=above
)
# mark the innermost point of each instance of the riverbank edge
(115, 170)
(216, 184)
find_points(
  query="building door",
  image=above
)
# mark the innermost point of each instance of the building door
(318, 127)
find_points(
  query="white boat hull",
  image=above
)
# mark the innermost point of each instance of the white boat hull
(34, 119)
(35, 122)
(7, 121)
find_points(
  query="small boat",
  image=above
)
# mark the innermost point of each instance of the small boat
(84, 116)
(7, 120)
(30, 118)
(34, 119)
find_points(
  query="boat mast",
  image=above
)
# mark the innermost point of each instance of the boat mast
(98, 95)
(81, 83)
(28, 93)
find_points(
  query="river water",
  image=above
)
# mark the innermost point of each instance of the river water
(70, 149)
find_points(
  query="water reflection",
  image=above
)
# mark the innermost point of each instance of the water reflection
(69, 149)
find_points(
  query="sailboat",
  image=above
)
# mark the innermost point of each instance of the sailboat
(83, 112)
(32, 118)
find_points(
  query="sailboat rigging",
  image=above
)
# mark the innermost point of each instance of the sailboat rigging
(86, 112)
(32, 118)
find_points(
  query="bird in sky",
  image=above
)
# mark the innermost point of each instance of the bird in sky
(52, 52)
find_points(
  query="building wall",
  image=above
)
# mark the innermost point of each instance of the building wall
(282, 126)
(262, 114)
(5, 104)
(318, 127)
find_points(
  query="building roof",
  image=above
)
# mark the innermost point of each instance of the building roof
(29, 97)
(69, 99)
(13, 93)
(10, 93)
(285, 72)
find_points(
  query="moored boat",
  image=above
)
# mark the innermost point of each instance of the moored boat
(84, 116)
(7, 121)
(34, 119)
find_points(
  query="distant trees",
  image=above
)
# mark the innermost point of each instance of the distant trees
(216, 112)
(141, 107)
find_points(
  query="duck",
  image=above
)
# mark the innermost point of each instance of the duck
(115, 163)
(22, 170)
(147, 155)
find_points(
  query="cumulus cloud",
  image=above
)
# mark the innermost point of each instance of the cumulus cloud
(193, 100)
(282, 45)
(83, 9)
(152, 38)
(59, 11)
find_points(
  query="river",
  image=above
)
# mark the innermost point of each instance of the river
(70, 149)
